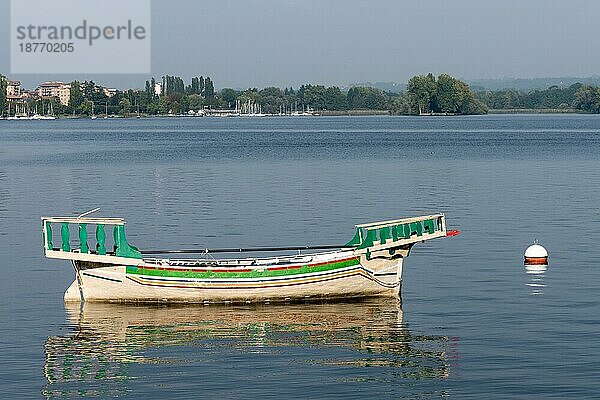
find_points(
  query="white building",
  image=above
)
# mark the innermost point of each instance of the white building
(64, 94)
(109, 92)
(158, 89)
(59, 90)
(13, 89)
(49, 89)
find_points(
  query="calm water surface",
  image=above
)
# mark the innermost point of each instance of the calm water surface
(473, 323)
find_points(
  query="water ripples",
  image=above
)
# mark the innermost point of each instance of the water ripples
(107, 343)
(474, 321)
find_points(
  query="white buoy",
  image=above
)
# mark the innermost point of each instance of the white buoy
(536, 254)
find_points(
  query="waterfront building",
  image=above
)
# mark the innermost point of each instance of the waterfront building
(109, 92)
(48, 90)
(13, 89)
(64, 94)
(17, 98)
(58, 90)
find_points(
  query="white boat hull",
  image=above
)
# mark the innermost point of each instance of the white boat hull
(118, 284)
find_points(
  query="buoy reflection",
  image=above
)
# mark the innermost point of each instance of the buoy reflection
(536, 275)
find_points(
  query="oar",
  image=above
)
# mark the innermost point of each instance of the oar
(243, 250)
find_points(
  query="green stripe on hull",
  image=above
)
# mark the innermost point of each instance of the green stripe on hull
(305, 269)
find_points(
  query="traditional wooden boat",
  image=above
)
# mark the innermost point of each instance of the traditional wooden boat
(368, 265)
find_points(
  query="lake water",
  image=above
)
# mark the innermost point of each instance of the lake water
(473, 323)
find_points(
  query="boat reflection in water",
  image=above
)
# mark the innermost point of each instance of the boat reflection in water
(114, 348)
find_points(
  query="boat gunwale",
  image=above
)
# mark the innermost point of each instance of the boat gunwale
(385, 224)
(265, 261)
(244, 268)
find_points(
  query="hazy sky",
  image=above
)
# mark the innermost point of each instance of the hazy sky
(241, 43)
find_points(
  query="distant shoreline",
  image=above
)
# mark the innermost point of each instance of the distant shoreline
(330, 114)
(535, 111)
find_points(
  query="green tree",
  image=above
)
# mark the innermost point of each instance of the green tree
(587, 98)
(152, 87)
(88, 88)
(229, 96)
(501, 99)
(98, 96)
(76, 99)
(196, 102)
(124, 106)
(163, 107)
(425, 94)
(209, 88)
(201, 86)
(313, 96)
(271, 99)
(402, 106)
(3, 101)
(335, 99)
(451, 94)
(196, 86)
(422, 90)
(367, 98)
(149, 88)
(554, 97)
(184, 105)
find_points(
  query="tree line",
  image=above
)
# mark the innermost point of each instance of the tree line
(575, 97)
(3, 102)
(175, 96)
(424, 94)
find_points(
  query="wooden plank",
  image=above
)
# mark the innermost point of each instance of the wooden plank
(107, 259)
(85, 220)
